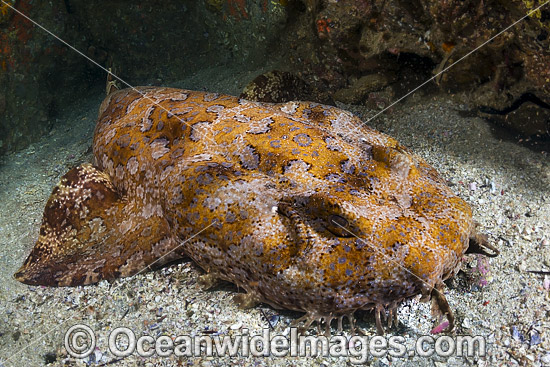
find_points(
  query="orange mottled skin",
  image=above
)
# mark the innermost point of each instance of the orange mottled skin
(296, 203)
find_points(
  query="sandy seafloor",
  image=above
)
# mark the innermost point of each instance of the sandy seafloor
(507, 185)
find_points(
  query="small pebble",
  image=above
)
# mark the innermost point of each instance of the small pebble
(439, 328)
(236, 325)
(516, 334)
(535, 338)
(274, 320)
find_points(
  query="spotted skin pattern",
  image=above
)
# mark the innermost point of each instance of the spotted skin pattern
(298, 204)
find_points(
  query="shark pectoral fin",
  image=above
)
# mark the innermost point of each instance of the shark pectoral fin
(90, 233)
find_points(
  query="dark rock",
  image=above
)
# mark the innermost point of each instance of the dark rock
(358, 92)
(280, 86)
(31, 80)
(528, 118)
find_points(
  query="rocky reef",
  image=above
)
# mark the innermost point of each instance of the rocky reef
(357, 48)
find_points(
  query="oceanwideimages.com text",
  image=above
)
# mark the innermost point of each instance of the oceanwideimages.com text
(80, 341)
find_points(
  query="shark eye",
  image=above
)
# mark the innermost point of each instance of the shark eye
(338, 226)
